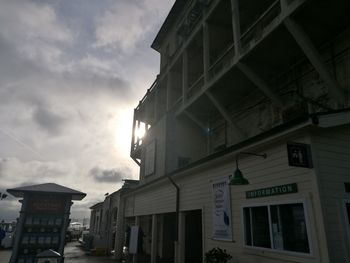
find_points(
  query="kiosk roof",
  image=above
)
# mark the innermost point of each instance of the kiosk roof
(47, 188)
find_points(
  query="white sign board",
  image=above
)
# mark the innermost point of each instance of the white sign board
(134, 236)
(222, 223)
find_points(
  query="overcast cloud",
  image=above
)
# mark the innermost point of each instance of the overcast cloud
(71, 73)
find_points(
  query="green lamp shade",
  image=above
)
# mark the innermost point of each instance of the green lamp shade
(238, 178)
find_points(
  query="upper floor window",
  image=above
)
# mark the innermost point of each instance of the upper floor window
(278, 227)
(150, 158)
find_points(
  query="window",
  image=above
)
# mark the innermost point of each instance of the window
(347, 216)
(150, 158)
(278, 227)
(348, 212)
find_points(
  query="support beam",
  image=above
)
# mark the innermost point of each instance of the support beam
(284, 5)
(180, 257)
(204, 127)
(224, 113)
(169, 89)
(137, 137)
(120, 229)
(196, 121)
(236, 26)
(184, 75)
(315, 58)
(156, 102)
(154, 243)
(261, 84)
(137, 223)
(133, 133)
(206, 50)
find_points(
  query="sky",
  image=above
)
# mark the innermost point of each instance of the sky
(71, 73)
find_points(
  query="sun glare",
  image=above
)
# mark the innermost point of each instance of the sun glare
(122, 130)
(140, 131)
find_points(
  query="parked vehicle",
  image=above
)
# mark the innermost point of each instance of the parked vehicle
(74, 231)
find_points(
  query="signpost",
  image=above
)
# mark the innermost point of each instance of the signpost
(43, 220)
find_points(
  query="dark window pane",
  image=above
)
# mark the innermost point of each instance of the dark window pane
(261, 230)
(289, 228)
(247, 225)
(348, 211)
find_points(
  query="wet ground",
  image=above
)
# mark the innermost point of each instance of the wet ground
(73, 254)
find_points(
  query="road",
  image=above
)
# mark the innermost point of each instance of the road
(72, 252)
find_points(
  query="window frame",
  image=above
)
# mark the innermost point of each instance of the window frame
(152, 143)
(346, 217)
(268, 204)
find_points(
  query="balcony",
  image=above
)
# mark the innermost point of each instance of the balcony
(266, 21)
(223, 62)
(195, 88)
(144, 118)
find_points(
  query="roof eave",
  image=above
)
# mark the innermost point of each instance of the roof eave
(168, 23)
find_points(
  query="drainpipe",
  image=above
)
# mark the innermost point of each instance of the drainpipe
(177, 210)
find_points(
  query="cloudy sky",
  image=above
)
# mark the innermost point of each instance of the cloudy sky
(71, 72)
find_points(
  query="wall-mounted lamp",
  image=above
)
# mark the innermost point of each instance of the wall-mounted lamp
(238, 178)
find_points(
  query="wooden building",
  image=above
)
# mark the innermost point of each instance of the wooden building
(243, 140)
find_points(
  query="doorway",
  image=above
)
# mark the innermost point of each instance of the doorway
(193, 237)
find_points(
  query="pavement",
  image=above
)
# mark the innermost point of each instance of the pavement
(5, 255)
(73, 253)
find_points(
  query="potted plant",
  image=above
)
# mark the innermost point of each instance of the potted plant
(217, 255)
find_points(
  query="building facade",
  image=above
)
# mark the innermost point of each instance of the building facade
(106, 221)
(247, 134)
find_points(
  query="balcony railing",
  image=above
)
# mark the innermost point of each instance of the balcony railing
(260, 26)
(195, 88)
(149, 91)
(222, 62)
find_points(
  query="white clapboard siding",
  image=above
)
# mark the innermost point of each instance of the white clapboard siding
(332, 150)
(157, 200)
(195, 193)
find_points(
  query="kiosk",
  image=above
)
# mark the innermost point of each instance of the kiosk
(43, 220)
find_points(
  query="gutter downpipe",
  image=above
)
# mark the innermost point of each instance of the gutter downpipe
(177, 211)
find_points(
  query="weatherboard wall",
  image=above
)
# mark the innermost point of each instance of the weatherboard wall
(332, 161)
(195, 193)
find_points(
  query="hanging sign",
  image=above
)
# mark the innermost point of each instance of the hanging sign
(222, 223)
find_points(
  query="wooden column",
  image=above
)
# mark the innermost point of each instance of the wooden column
(181, 239)
(184, 75)
(154, 243)
(236, 26)
(206, 51)
(119, 237)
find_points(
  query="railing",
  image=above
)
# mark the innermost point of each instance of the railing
(257, 29)
(177, 104)
(223, 61)
(195, 87)
(149, 91)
